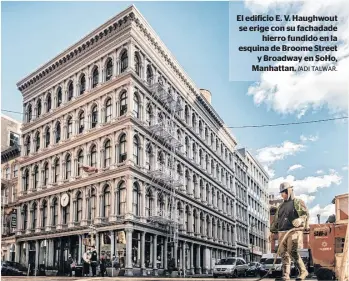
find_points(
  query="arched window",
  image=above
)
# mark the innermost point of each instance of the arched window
(123, 103)
(15, 171)
(70, 91)
(95, 77)
(206, 134)
(37, 141)
(58, 132)
(30, 113)
(149, 116)
(200, 129)
(44, 214)
(122, 149)
(149, 162)
(28, 144)
(56, 171)
(136, 151)
(68, 167)
(66, 214)
(109, 70)
(106, 202)
(59, 97)
(186, 114)
(187, 218)
(49, 102)
(46, 174)
(78, 216)
(82, 84)
(136, 199)
(36, 177)
(47, 137)
(107, 154)
(34, 215)
(124, 61)
(69, 127)
(148, 203)
(38, 108)
(81, 122)
(93, 161)
(121, 199)
(149, 74)
(94, 117)
(25, 217)
(137, 64)
(26, 180)
(200, 157)
(161, 205)
(194, 152)
(193, 120)
(136, 105)
(108, 111)
(80, 162)
(187, 147)
(55, 212)
(92, 204)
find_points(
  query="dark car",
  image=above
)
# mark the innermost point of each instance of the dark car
(253, 269)
(268, 265)
(10, 268)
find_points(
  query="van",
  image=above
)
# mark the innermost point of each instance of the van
(267, 256)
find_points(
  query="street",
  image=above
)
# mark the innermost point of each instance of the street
(60, 278)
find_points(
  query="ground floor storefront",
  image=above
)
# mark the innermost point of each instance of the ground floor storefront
(138, 251)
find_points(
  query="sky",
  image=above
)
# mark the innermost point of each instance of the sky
(313, 157)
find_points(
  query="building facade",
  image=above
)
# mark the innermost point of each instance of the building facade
(10, 136)
(99, 139)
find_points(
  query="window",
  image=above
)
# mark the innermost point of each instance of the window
(122, 149)
(7, 173)
(15, 171)
(149, 115)
(55, 212)
(136, 151)
(30, 113)
(148, 203)
(92, 204)
(46, 174)
(14, 139)
(49, 102)
(78, 216)
(58, 132)
(36, 177)
(124, 61)
(200, 128)
(149, 74)
(106, 202)
(186, 114)
(25, 217)
(135, 105)
(47, 137)
(80, 162)
(56, 171)
(34, 216)
(137, 64)
(109, 70)
(66, 214)
(93, 162)
(81, 122)
(108, 111)
(70, 91)
(69, 127)
(149, 158)
(37, 142)
(94, 117)
(38, 108)
(68, 167)
(44, 214)
(107, 154)
(187, 147)
(59, 97)
(123, 103)
(82, 84)
(135, 199)
(121, 198)
(95, 77)
(26, 180)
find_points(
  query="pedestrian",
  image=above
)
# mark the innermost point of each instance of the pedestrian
(86, 263)
(94, 261)
(102, 265)
(291, 213)
(70, 265)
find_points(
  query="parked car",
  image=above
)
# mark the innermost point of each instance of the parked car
(268, 264)
(253, 269)
(277, 271)
(10, 268)
(230, 267)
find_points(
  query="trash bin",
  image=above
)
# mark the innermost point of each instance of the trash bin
(78, 271)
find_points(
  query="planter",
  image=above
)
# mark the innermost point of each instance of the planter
(112, 272)
(51, 272)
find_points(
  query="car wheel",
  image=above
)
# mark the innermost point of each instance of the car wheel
(235, 274)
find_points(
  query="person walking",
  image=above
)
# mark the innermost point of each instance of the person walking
(86, 263)
(291, 213)
(102, 265)
(94, 261)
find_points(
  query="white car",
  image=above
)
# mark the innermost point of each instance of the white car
(230, 267)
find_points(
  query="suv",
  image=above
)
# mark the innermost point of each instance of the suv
(230, 267)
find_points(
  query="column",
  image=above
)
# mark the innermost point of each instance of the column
(211, 261)
(165, 254)
(206, 261)
(128, 265)
(143, 269)
(184, 262)
(192, 269)
(36, 256)
(129, 214)
(80, 249)
(180, 264)
(198, 260)
(112, 241)
(155, 254)
(26, 253)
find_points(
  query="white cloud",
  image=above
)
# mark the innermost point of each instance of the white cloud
(270, 154)
(306, 198)
(309, 138)
(345, 168)
(324, 212)
(307, 185)
(295, 167)
(319, 172)
(302, 92)
(270, 171)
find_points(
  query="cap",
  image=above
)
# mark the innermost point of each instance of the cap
(284, 186)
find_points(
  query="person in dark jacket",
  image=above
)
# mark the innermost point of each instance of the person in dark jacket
(70, 264)
(102, 265)
(94, 261)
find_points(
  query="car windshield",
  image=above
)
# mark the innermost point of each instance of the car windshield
(227, 261)
(263, 260)
(253, 263)
(271, 261)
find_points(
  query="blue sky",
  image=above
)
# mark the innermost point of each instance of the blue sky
(197, 34)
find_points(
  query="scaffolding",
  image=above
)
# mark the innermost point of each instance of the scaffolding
(163, 129)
